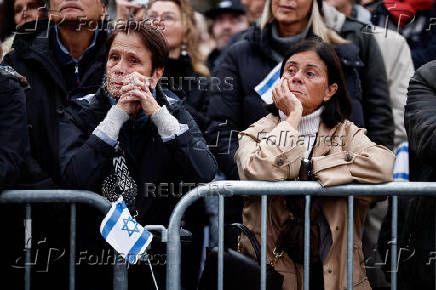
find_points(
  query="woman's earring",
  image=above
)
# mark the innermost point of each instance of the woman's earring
(184, 52)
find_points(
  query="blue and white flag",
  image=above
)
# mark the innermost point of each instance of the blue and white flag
(123, 233)
(264, 88)
(401, 165)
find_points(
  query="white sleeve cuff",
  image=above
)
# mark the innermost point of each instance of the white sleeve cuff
(110, 127)
(167, 125)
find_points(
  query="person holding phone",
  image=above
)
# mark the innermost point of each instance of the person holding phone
(132, 138)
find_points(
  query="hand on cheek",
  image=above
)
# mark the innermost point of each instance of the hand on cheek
(287, 102)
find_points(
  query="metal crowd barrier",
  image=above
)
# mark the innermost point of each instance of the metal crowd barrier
(306, 188)
(72, 197)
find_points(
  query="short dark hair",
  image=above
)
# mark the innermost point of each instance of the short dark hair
(152, 39)
(338, 108)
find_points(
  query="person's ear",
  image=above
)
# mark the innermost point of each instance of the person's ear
(331, 90)
(155, 76)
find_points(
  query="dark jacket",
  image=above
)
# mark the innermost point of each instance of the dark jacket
(247, 63)
(32, 56)
(376, 102)
(170, 166)
(14, 141)
(420, 123)
(180, 77)
(212, 59)
(419, 231)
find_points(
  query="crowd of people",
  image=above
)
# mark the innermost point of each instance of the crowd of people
(148, 99)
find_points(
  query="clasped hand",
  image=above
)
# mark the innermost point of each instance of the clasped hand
(136, 95)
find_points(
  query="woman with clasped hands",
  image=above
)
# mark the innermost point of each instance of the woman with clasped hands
(309, 122)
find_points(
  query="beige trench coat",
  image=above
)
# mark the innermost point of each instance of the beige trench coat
(272, 150)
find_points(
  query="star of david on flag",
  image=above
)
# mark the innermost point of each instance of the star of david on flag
(123, 233)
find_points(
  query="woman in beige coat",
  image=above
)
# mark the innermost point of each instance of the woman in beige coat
(309, 121)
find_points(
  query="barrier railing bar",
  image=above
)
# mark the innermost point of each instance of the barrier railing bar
(306, 282)
(56, 196)
(290, 188)
(394, 245)
(258, 188)
(350, 242)
(221, 243)
(72, 246)
(27, 246)
(263, 239)
(62, 196)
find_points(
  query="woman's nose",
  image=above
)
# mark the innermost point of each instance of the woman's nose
(296, 78)
(120, 67)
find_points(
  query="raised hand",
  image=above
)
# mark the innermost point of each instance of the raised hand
(287, 102)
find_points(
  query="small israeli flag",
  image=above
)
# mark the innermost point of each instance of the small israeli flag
(264, 88)
(401, 164)
(123, 233)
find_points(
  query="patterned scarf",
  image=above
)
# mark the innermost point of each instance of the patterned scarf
(120, 182)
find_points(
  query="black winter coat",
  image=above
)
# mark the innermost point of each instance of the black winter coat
(174, 165)
(32, 56)
(190, 86)
(14, 141)
(419, 231)
(376, 102)
(247, 63)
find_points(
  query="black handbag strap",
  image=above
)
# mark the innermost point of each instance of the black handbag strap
(251, 237)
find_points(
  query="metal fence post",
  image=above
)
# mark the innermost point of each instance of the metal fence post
(72, 245)
(350, 231)
(263, 243)
(173, 245)
(27, 246)
(307, 243)
(120, 274)
(221, 243)
(394, 245)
